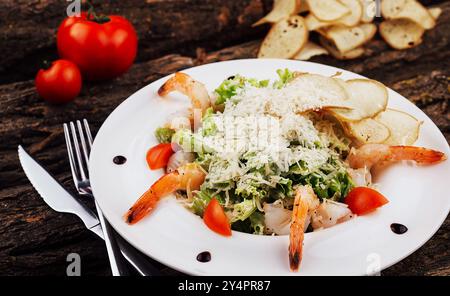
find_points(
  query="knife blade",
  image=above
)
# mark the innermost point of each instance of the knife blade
(59, 199)
(55, 195)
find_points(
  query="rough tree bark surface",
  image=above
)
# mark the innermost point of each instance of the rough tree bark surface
(36, 240)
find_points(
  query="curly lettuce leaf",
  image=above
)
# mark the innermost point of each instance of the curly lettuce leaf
(285, 76)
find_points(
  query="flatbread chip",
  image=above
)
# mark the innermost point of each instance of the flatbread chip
(313, 23)
(304, 6)
(349, 20)
(369, 10)
(324, 92)
(281, 9)
(435, 12)
(368, 131)
(369, 31)
(351, 54)
(366, 98)
(391, 8)
(356, 11)
(285, 39)
(401, 33)
(309, 50)
(327, 10)
(346, 38)
(404, 128)
(408, 9)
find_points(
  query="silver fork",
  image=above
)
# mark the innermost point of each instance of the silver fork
(78, 166)
(115, 244)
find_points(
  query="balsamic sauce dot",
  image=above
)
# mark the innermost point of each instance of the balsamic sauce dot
(398, 228)
(119, 159)
(204, 257)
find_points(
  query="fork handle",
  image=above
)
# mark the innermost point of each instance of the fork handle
(139, 261)
(121, 249)
(116, 260)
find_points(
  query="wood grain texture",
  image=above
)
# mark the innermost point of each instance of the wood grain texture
(35, 240)
(28, 28)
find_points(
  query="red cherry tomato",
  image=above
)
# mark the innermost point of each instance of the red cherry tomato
(60, 83)
(215, 218)
(158, 156)
(363, 200)
(102, 49)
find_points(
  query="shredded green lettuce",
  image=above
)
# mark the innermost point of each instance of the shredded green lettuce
(190, 142)
(330, 181)
(164, 134)
(243, 210)
(242, 182)
(257, 222)
(230, 87)
(209, 127)
(283, 188)
(249, 187)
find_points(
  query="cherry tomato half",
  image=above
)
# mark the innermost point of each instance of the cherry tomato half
(102, 49)
(60, 83)
(158, 156)
(363, 200)
(215, 218)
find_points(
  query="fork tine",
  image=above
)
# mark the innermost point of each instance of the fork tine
(88, 132)
(73, 167)
(77, 151)
(83, 144)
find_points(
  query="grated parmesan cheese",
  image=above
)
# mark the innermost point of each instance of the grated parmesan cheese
(256, 129)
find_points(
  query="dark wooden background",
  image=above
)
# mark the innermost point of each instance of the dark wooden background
(176, 34)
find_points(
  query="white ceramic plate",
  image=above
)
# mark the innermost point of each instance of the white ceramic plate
(174, 236)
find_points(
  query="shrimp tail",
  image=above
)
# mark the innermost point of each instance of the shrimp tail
(418, 154)
(195, 90)
(144, 206)
(165, 185)
(177, 82)
(299, 215)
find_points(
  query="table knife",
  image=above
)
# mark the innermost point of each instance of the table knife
(60, 200)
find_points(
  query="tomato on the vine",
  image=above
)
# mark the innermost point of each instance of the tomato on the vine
(103, 47)
(59, 82)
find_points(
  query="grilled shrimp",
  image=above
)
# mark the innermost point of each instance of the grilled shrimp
(188, 176)
(370, 154)
(329, 213)
(303, 198)
(195, 90)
